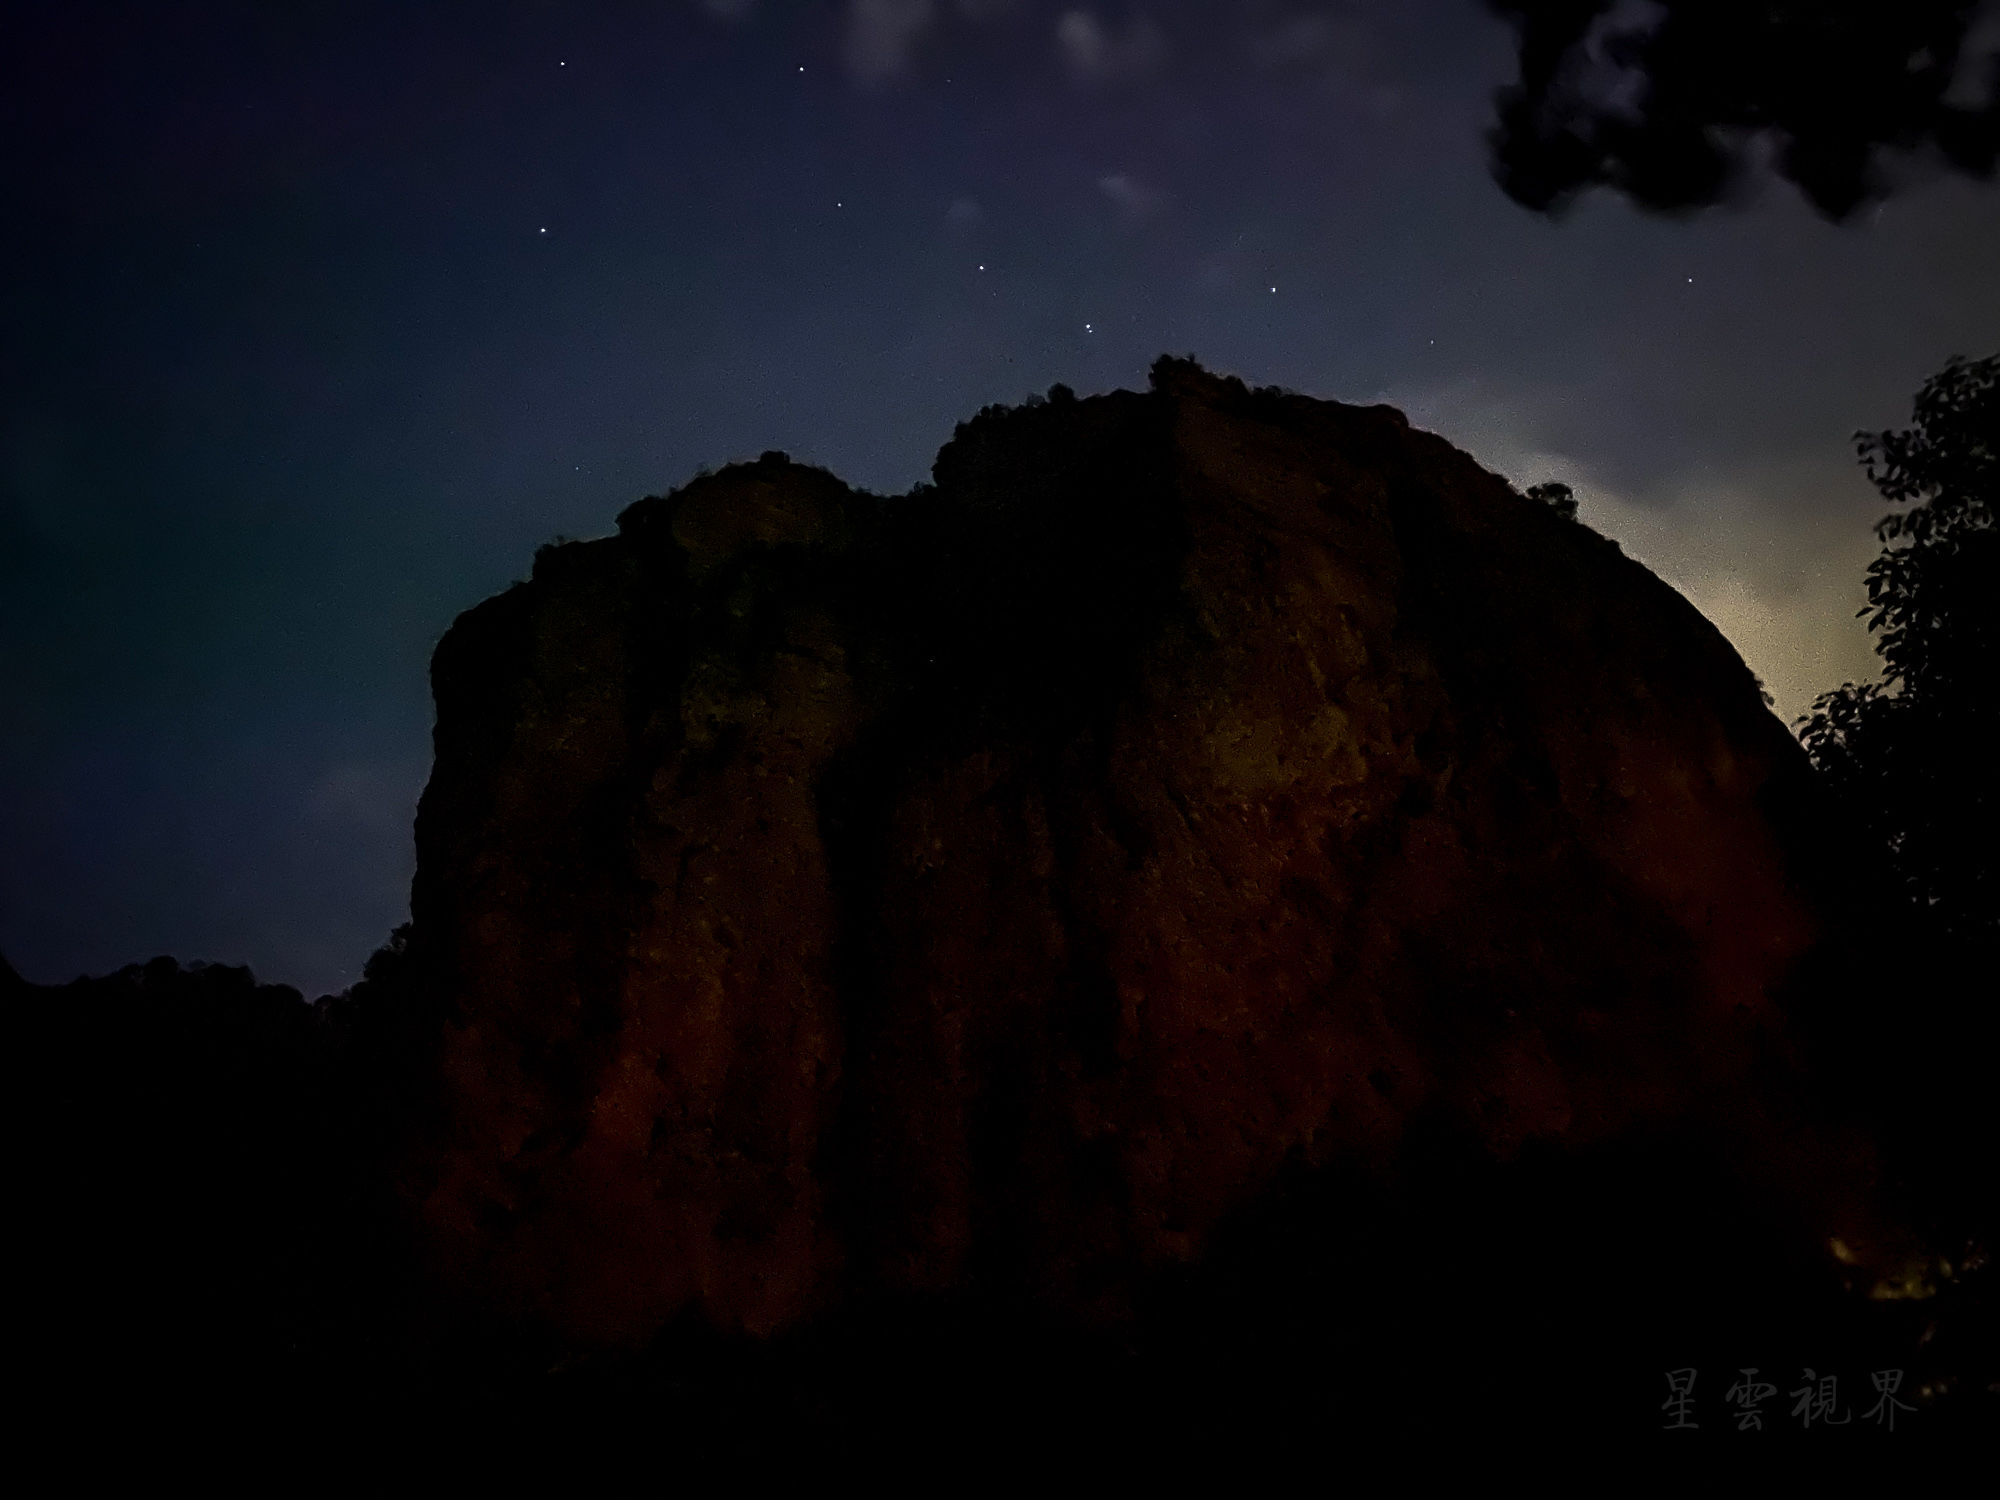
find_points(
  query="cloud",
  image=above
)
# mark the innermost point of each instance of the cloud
(1730, 542)
(1784, 596)
(1341, 49)
(1978, 59)
(882, 36)
(1295, 40)
(728, 10)
(1095, 53)
(1134, 198)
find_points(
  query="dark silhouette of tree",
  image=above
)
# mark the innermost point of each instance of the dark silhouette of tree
(1666, 106)
(1911, 758)
(1903, 995)
(1559, 498)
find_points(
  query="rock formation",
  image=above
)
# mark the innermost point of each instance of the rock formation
(994, 889)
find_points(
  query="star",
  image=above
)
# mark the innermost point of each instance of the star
(543, 231)
(1086, 328)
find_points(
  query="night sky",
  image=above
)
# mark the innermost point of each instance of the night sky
(317, 319)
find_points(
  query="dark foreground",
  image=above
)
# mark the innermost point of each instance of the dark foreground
(212, 1293)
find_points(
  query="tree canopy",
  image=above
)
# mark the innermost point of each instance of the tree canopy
(1912, 756)
(1558, 497)
(1668, 105)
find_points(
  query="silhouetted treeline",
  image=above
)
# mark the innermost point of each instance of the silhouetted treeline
(1909, 766)
(206, 1215)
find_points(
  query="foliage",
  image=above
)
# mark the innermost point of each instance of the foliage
(1669, 110)
(1930, 598)
(1558, 497)
(1910, 762)
(1911, 757)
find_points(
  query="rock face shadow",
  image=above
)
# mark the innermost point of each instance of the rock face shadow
(986, 892)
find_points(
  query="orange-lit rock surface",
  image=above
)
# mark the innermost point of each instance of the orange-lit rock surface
(993, 886)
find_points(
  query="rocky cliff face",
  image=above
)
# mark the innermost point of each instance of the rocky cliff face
(993, 888)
